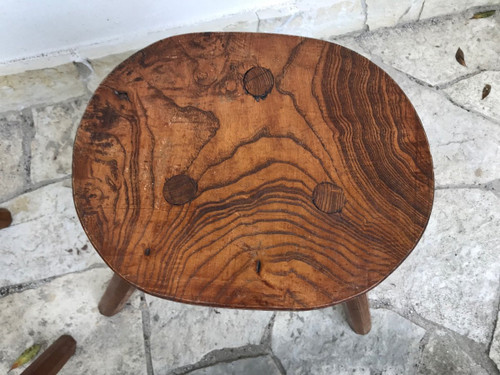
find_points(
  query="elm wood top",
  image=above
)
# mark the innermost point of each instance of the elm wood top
(252, 170)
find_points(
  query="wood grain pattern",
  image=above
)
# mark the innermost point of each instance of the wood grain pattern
(193, 190)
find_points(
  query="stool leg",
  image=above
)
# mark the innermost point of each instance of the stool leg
(54, 358)
(116, 296)
(5, 218)
(358, 314)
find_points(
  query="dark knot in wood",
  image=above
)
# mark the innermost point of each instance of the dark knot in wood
(258, 82)
(328, 197)
(179, 189)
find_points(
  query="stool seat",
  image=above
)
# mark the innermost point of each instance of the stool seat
(253, 171)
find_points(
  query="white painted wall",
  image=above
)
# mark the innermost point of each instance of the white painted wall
(41, 33)
(30, 28)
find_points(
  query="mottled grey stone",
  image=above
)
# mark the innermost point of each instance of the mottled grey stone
(468, 93)
(44, 86)
(13, 173)
(444, 355)
(182, 334)
(321, 342)
(45, 238)
(247, 366)
(495, 344)
(68, 305)
(427, 50)
(52, 145)
(451, 278)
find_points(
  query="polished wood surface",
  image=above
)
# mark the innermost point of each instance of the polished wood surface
(358, 314)
(252, 170)
(52, 360)
(5, 218)
(115, 297)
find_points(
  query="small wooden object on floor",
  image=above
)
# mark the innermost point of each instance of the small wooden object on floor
(54, 358)
(116, 296)
(5, 218)
(358, 314)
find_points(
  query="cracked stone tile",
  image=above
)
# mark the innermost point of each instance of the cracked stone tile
(245, 366)
(435, 8)
(444, 355)
(465, 147)
(495, 344)
(13, 173)
(44, 86)
(52, 145)
(387, 13)
(451, 277)
(322, 21)
(68, 305)
(45, 238)
(468, 93)
(182, 334)
(426, 50)
(321, 342)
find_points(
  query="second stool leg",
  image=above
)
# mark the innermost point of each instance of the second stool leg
(116, 296)
(358, 314)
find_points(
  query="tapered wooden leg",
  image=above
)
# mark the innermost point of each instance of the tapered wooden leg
(116, 296)
(358, 314)
(5, 218)
(54, 358)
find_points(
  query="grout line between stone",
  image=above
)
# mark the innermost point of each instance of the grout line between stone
(421, 10)
(495, 323)
(146, 331)
(34, 284)
(364, 6)
(258, 22)
(225, 355)
(476, 350)
(34, 187)
(278, 364)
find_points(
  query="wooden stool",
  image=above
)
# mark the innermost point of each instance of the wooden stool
(251, 171)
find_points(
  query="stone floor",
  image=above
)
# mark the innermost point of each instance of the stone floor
(435, 315)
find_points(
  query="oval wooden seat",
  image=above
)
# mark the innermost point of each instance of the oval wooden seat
(252, 171)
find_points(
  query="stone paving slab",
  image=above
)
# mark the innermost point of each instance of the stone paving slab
(468, 94)
(68, 305)
(45, 238)
(427, 50)
(52, 145)
(320, 342)
(182, 334)
(37, 87)
(443, 355)
(263, 365)
(451, 278)
(13, 171)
